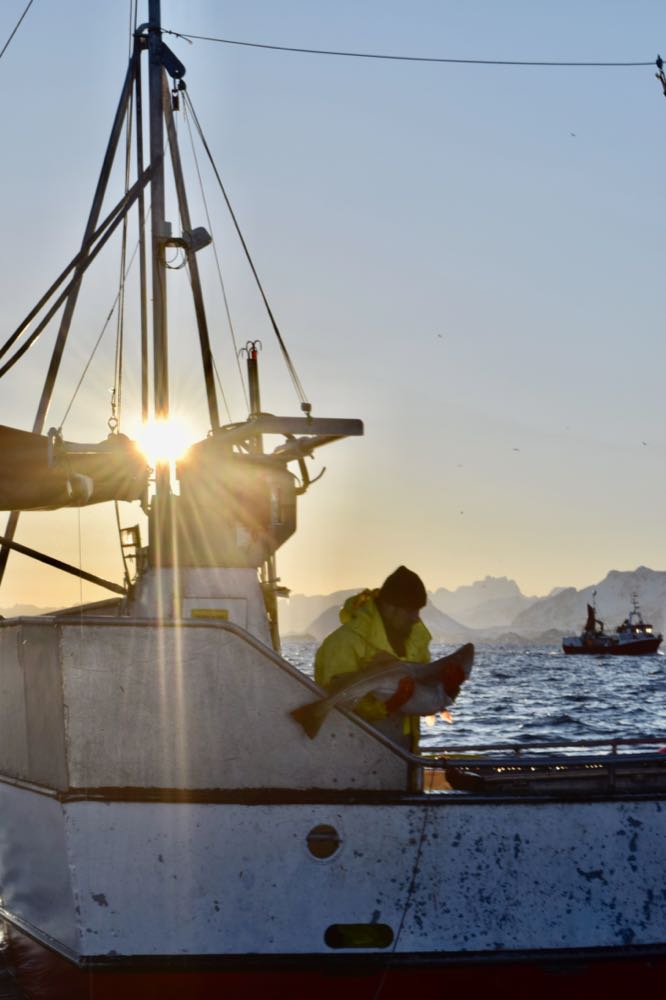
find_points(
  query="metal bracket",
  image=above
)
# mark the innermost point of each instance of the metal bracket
(171, 62)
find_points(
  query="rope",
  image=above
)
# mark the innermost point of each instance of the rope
(422, 59)
(290, 367)
(221, 280)
(18, 24)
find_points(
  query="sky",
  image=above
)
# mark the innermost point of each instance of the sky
(468, 258)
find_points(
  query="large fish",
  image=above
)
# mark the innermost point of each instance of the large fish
(416, 688)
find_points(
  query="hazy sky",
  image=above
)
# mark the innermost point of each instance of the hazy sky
(468, 258)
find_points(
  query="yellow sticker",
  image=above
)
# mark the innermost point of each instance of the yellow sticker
(220, 613)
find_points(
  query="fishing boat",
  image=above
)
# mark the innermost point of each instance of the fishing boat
(167, 829)
(634, 637)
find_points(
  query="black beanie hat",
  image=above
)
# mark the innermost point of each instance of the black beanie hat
(404, 589)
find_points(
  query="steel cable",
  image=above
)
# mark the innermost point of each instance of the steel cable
(16, 28)
(570, 63)
(221, 280)
(290, 366)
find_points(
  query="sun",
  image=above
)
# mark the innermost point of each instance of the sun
(164, 441)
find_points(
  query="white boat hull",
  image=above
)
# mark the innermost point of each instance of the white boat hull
(152, 826)
(99, 880)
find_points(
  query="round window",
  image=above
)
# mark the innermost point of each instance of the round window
(323, 841)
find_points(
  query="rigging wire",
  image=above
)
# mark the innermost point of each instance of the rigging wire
(108, 318)
(16, 28)
(100, 336)
(571, 63)
(85, 257)
(305, 405)
(116, 392)
(221, 280)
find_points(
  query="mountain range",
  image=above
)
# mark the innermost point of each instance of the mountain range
(494, 610)
(441, 625)
(27, 610)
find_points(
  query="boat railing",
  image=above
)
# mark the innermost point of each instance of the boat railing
(522, 751)
(624, 765)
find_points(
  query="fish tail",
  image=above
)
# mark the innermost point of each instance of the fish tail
(453, 676)
(311, 717)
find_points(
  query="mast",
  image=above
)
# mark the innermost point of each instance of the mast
(143, 282)
(250, 495)
(159, 235)
(72, 298)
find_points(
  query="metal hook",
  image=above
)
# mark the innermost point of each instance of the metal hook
(251, 347)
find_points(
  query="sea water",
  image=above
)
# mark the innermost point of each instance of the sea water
(541, 695)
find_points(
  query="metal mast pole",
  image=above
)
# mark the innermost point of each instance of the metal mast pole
(160, 350)
(143, 281)
(199, 309)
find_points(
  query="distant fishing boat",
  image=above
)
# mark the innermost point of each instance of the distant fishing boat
(634, 637)
(167, 829)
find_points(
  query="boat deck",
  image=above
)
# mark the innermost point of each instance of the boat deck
(583, 769)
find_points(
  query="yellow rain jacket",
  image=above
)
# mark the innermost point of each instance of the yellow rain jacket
(358, 639)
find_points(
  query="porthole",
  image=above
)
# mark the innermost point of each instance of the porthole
(323, 841)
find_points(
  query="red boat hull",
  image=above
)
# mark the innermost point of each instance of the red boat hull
(644, 647)
(43, 974)
(629, 649)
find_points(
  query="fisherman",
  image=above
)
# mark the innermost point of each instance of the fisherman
(381, 625)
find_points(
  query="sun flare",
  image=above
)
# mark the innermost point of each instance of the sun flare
(164, 440)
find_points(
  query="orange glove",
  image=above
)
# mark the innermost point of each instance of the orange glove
(402, 694)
